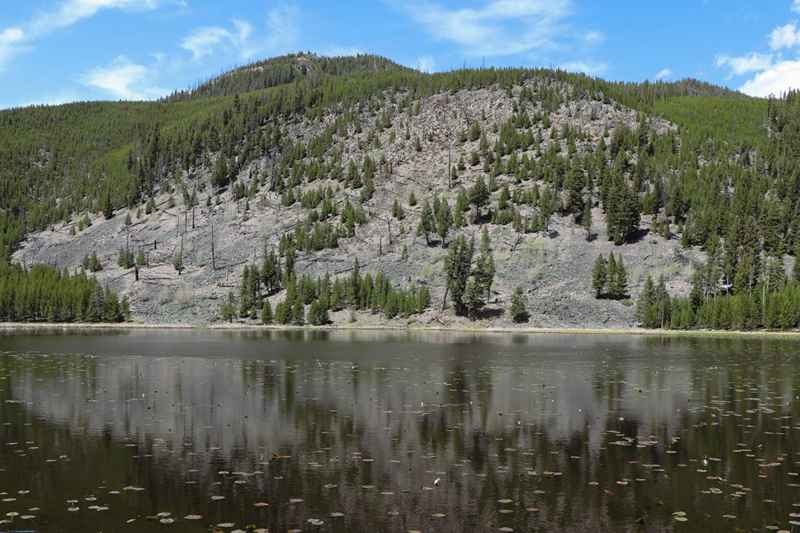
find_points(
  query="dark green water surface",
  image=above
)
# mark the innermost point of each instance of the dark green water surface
(332, 432)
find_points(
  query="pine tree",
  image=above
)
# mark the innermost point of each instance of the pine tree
(462, 202)
(427, 223)
(266, 312)
(318, 314)
(125, 258)
(485, 268)
(245, 293)
(443, 219)
(474, 131)
(221, 176)
(457, 270)
(573, 184)
(108, 207)
(599, 277)
(354, 293)
(423, 299)
(325, 291)
(271, 273)
(177, 262)
(479, 194)
(397, 210)
(228, 311)
(503, 199)
(298, 313)
(744, 278)
(772, 227)
(473, 298)
(391, 307)
(663, 304)
(519, 310)
(586, 219)
(774, 275)
(458, 219)
(646, 305)
(618, 279)
(623, 212)
(545, 206)
(283, 314)
(92, 263)
(368, 189)
(125, 308)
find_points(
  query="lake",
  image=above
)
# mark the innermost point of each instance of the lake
(372, 431)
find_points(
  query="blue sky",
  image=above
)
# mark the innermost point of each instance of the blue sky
(55, 51)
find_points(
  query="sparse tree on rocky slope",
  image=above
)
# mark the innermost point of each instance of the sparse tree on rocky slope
(519, 309)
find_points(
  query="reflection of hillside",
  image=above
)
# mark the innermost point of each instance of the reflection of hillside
(493, 419)
(232, 404)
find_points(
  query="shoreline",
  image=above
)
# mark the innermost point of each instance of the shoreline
(134, 326)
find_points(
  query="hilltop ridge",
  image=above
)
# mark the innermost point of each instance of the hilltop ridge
(287, 69)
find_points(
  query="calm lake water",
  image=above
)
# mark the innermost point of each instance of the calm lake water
(191, 431)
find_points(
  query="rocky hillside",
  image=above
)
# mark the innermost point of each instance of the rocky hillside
(575, 168)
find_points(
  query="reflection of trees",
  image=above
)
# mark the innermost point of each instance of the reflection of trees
(492, 421)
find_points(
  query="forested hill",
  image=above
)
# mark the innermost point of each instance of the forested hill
(321, 155)
(58, 161)
(287, 69)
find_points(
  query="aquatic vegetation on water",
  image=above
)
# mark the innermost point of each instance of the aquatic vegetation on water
(570, 433)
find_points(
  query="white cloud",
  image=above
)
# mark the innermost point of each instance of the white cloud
(664, 73)
(202, 41)
(10, 36)
(500, 27)
(71, 11)
(66, 13)
(123, 80)
(10, 44)
(784, 37)
(594, 37)
(281, 35)
(243, 30)
(282, 28)
(773, 75)
(753, 62)
(586, 67)
(775, 80)
(426, 64)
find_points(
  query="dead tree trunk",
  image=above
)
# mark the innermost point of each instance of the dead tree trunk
(213, 257)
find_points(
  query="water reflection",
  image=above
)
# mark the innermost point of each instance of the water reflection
(331, 431)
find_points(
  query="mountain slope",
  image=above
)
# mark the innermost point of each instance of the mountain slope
(218, 176)
(554, 265)
(67, 159)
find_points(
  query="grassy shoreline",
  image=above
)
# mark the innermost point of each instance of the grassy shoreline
(133, 326)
